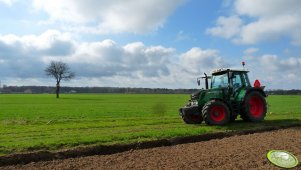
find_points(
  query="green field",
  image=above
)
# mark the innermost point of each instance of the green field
(40, 121)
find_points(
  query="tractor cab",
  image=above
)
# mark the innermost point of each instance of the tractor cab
(225, 78)
(227, 94)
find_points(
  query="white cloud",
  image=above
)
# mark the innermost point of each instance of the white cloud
(23, 59)
(197, 60)
(7, 2)
(275, 72)
(107, 63)
(101, 16)
(107, 58)
(267, 20)
(226, 27)
(21, 56)
(267, 8)
(43, 41)
(270, 29)
(269, 63)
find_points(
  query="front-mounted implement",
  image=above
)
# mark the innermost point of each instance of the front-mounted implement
(228, 95)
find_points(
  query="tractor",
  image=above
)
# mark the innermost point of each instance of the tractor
(230, 94)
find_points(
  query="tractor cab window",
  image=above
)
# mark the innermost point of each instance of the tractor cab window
(236, 81)
(246, 79)
(219, 81)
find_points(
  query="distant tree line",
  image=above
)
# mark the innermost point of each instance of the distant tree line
(49, 89)
(284, 92)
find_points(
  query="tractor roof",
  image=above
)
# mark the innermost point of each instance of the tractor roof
(224, 70)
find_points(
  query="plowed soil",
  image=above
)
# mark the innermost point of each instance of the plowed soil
(236, 152)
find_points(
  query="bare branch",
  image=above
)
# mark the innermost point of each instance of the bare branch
(59, 70)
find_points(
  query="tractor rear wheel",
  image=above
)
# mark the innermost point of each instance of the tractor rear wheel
(254, 107)
(216, 113)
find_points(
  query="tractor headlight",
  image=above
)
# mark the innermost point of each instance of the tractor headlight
(194, 103)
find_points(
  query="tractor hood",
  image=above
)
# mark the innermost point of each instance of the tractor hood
(196, 95)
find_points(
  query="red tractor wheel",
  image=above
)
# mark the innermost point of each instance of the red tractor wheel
(216, 113)
(255, 107)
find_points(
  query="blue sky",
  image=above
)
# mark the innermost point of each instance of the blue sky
(150, 43)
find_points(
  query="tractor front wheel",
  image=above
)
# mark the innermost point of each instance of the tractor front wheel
(216, 113)
(254, 108)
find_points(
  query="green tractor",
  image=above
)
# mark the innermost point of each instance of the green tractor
(230, 94)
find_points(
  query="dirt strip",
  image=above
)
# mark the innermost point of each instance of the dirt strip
(235, 152)
(26, 158)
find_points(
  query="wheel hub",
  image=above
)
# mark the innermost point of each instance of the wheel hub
(216, 113)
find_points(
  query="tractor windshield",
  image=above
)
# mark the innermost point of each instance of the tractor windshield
(219, 81)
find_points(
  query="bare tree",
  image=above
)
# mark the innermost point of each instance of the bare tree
(60, 71)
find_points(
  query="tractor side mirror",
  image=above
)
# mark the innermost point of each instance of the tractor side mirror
(199, 82)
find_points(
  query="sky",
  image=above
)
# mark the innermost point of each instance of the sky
(150, 43)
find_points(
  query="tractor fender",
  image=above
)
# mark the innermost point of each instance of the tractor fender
(219, 99)
(258, 89)
(224, 101)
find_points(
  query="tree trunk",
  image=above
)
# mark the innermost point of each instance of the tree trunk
(57, 91)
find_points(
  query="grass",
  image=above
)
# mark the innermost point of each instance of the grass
(30, 122)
